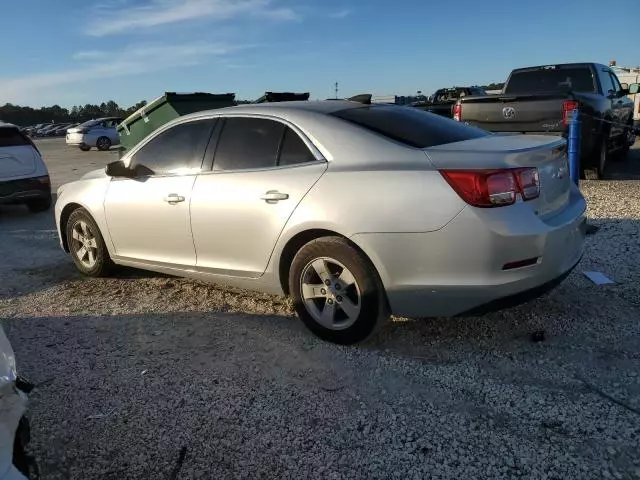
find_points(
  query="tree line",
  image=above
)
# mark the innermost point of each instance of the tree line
(24, 116)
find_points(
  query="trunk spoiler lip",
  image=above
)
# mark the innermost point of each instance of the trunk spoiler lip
(528, 143)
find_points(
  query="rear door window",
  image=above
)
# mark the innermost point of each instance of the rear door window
(293, 150)
(11, 137)
(410, 126)
(248, 143)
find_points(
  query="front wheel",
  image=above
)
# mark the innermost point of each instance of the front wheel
(86, 245)
(336, 291)
(85, 148)
(628, 140)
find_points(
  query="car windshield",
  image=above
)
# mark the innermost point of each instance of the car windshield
(89, 123)
(410, 126)
(578, 79)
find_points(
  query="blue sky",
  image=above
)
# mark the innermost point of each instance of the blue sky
(89, 51)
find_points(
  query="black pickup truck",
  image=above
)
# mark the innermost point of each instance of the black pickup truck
(443, 100)
(539, 100)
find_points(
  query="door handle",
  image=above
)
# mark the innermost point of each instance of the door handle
(274, 196)
(173, 198)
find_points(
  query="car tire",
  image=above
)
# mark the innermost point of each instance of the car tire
(85, 148)
(337, 292)
(86, 245)
(598, 162)
(103, 144)
(39, 204)
(24, 462)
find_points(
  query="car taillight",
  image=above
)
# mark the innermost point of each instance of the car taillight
(494, 188)
(457, 112)
(568, 106)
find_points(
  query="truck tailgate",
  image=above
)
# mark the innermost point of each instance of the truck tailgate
(515, 113)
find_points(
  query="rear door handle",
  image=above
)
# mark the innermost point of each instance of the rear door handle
(173, 198)
(274, 196)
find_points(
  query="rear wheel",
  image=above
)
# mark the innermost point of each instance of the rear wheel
(85, 148)
(39, 204)
(86, 245)
(336, 291)
(103, 143)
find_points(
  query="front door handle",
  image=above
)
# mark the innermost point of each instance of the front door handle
(274, 196)
(173, 198)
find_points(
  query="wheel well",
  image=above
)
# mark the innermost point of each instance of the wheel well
(297, 242)
(64, 217)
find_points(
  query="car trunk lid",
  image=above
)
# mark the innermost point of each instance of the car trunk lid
(17, 155)
(17, 161)
(546, 153)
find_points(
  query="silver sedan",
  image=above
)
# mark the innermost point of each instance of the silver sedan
(356, 211)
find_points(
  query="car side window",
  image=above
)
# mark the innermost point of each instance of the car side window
(616, 84)
(293, 150)
(607, 83)
(180, 149)
(248, 143)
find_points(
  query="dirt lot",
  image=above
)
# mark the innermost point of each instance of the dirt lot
(134, 370)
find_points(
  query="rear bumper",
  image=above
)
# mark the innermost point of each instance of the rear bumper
(460, 268)
(25, 189)
(518, 298)
(76, 139)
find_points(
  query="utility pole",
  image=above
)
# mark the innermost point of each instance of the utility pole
(336, 89)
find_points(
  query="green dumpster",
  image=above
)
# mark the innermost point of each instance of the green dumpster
(269, 97)
(165, 108)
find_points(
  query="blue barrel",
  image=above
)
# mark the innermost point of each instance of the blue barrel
(574, 147)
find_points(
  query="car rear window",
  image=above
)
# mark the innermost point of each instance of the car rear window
(410, 126)
(577, 79)
(11, 137)
(476, 92)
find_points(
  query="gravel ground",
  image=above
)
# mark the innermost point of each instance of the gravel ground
(136, 370)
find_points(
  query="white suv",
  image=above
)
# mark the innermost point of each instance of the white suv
(101, 133)
(24, 178)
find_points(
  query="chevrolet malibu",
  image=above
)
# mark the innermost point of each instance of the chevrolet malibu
(356, 211)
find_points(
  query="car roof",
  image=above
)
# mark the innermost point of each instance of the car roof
(7, 125)
(316, 106)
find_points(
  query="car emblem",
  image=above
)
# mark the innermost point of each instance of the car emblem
(508, 112)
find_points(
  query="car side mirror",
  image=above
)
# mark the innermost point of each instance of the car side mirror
(118, 169)
(633, 88)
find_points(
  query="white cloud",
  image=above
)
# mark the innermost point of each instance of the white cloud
(339, 14)
(96, 64)
(116, 19)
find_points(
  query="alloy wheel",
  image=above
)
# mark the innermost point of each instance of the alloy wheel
(330, 293)
(84, 245)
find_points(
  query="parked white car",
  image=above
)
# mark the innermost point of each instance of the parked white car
(101, 133)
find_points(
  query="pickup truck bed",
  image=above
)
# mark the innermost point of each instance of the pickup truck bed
(539, 100)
